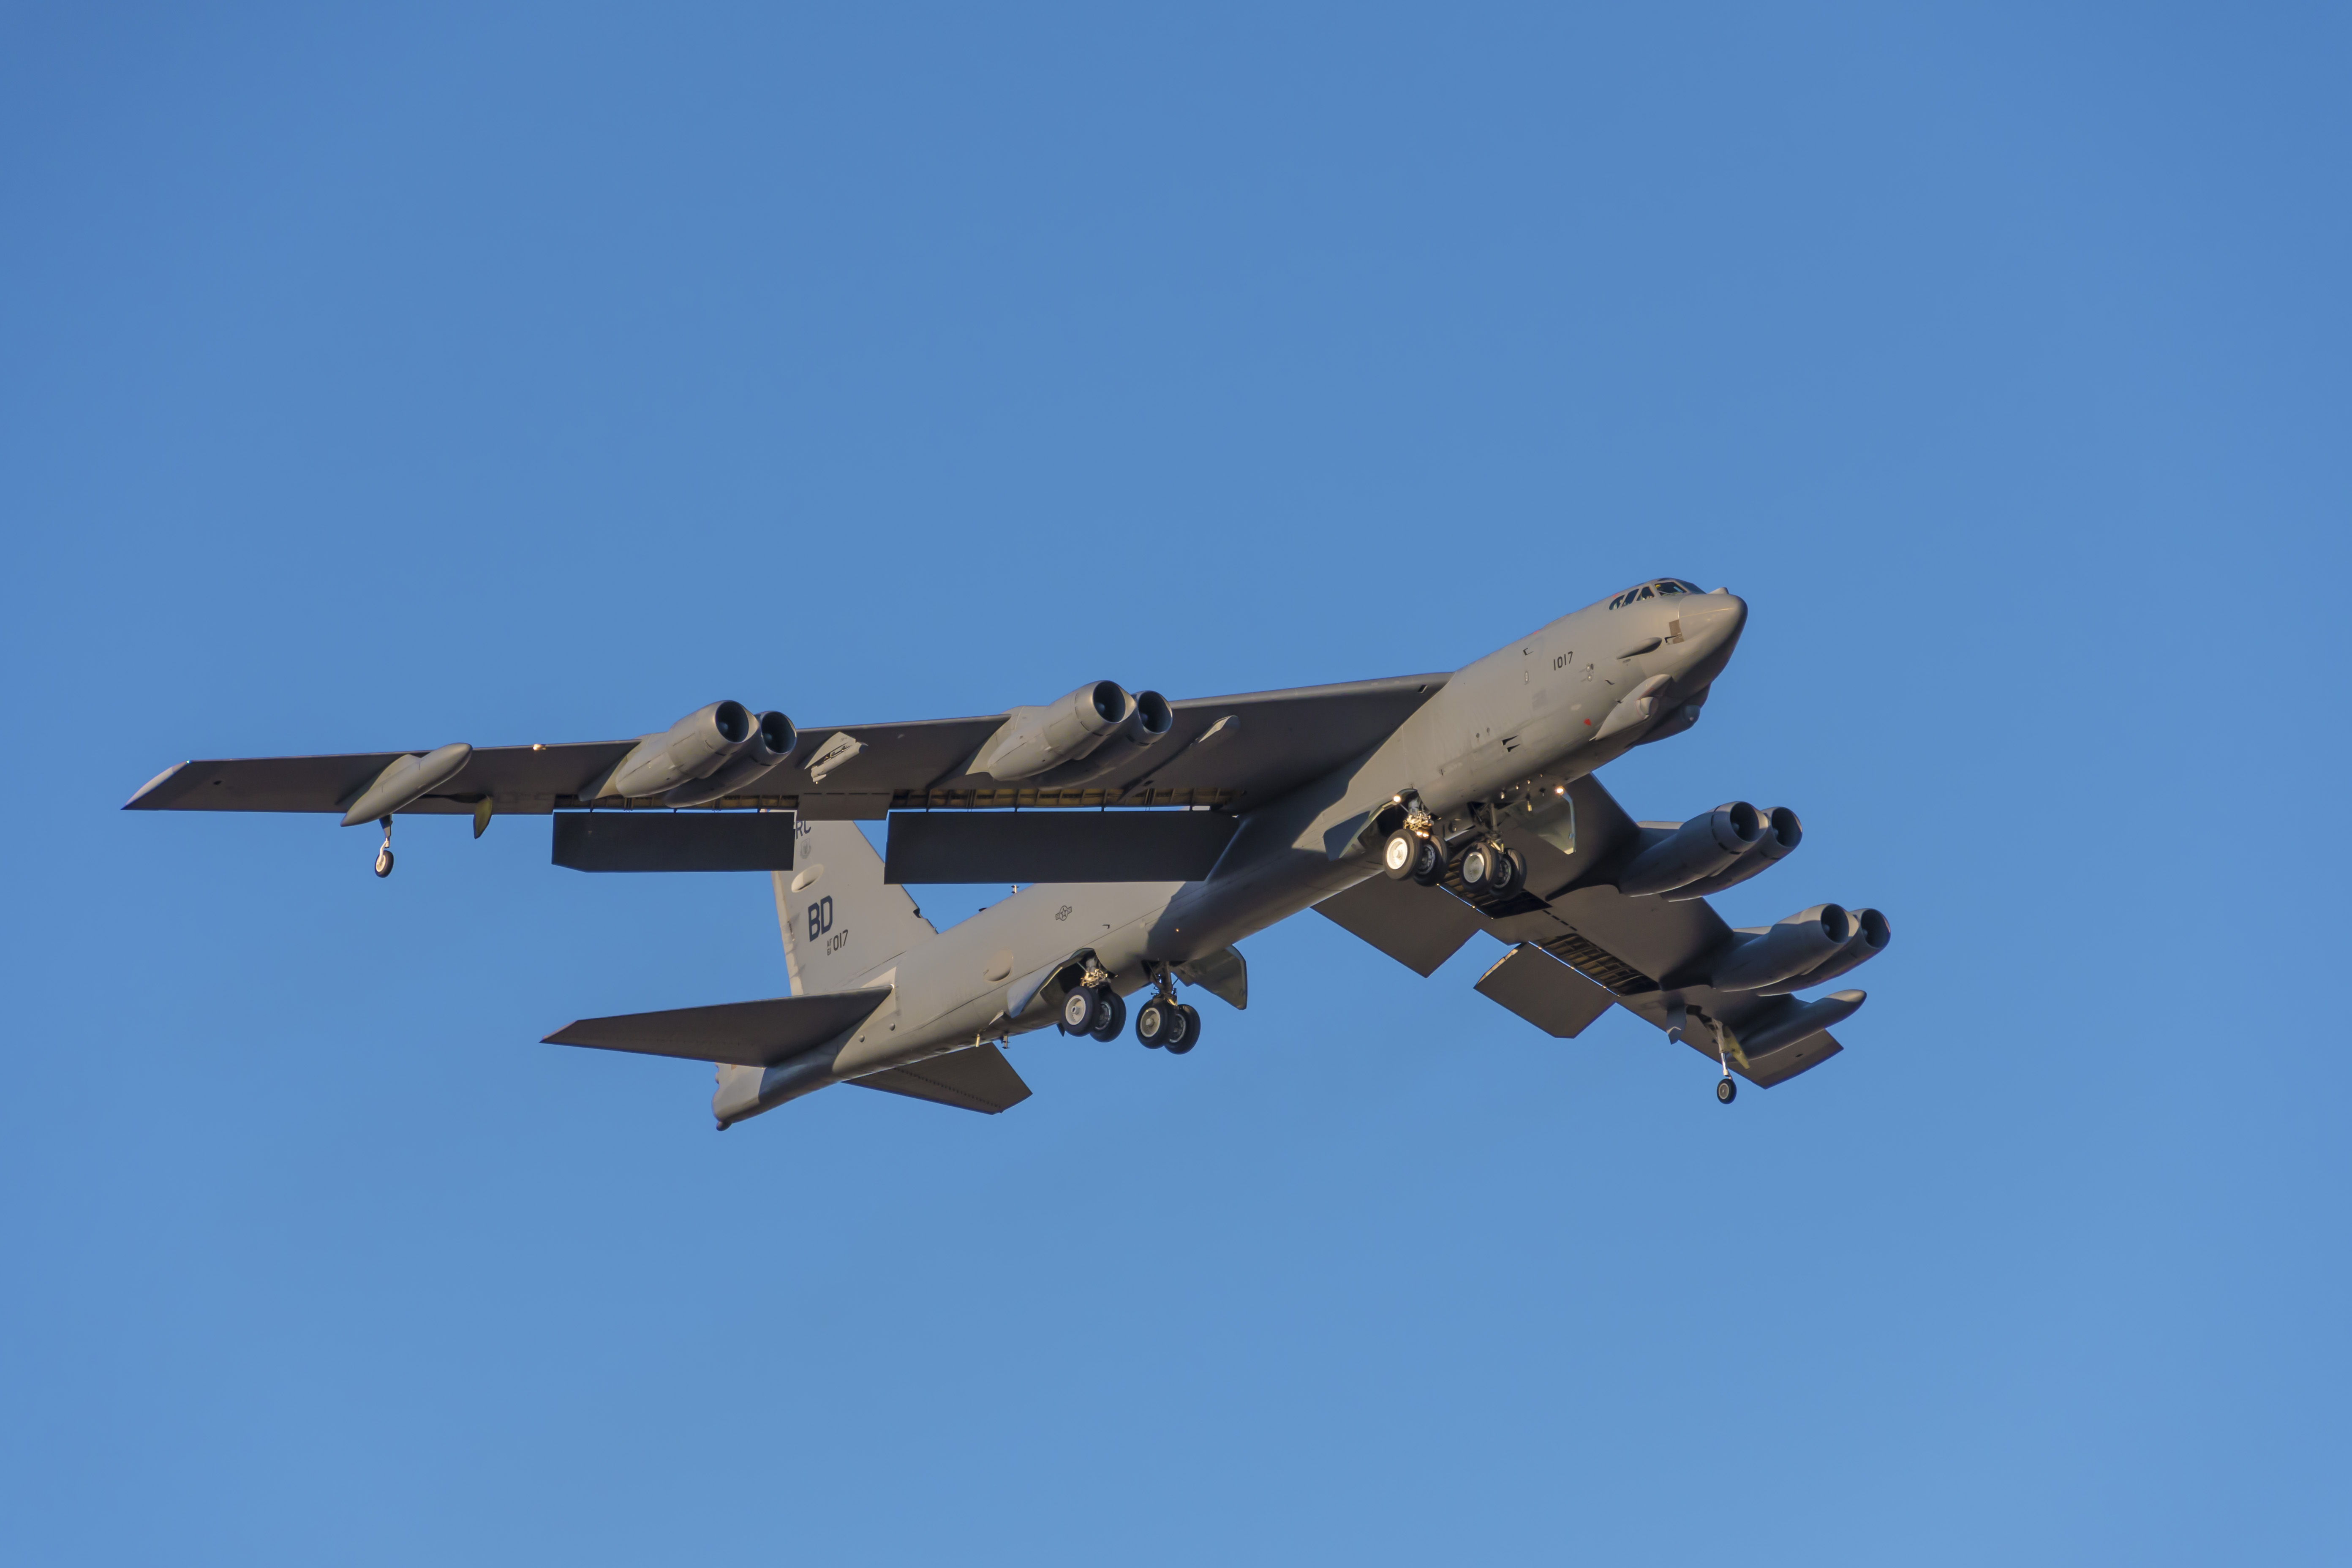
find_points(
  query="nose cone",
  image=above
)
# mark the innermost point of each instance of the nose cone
(1711, 627)
(1713, 621)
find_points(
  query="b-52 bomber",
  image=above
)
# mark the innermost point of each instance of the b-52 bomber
(1415, 812)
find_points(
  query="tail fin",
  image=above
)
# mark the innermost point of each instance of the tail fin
(842, 922)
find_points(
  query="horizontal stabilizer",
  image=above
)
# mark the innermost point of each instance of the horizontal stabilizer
(673, 841)
(1419, 927)
(1545, 992)
(976, 1080)
(746, 1033)
(1054, 846)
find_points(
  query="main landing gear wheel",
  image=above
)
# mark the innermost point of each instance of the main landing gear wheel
(1186, 1032)
(1110, 1014)
(1429, 865)
(1401, 854)
(1078, 1012)
(1725, 1090)
(1152, 1021)
(1509, 875)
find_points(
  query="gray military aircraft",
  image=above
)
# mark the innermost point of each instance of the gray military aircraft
(1415, 812)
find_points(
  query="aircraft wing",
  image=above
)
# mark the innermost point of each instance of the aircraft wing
(1228, 752)
(1577, 944)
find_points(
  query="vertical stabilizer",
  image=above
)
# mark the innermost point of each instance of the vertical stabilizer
(842, 922)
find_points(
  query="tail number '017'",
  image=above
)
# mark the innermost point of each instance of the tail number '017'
(820, 919)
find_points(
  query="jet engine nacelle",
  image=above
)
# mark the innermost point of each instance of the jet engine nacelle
(1782, 833)
(1032, 741)
(1790, 947)
(772, 741)
(1699, 847)
(1870, 938)
(693, 748)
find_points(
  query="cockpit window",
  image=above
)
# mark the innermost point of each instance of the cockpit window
(1664, 585)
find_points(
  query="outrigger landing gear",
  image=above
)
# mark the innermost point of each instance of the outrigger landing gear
(1727, 1088)
(384, 855)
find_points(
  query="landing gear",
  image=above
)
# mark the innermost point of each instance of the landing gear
(1726, 1090)
(1110, 1014)
(1510, 875)
(1487, 867)
(1401, 854)
(1163, 1023)
(384, 855)
(1153, 1021)
(1410, 854)
(1078, 1012)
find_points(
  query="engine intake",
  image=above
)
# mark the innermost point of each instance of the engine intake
(772, 742)
(1870, 935)
(1033, 741)
(1795, 945)
(1699, 847)
(693, 748)
(1782, 833)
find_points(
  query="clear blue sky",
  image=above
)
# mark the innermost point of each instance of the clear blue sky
(388, 378)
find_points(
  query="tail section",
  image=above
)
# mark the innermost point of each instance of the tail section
(842, 922)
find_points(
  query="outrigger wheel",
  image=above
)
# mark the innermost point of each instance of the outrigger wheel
(1726, 1090)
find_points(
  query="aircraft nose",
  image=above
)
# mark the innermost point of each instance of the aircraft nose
(1712, 621)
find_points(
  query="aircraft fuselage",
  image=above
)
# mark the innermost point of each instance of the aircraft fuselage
(1513, 727)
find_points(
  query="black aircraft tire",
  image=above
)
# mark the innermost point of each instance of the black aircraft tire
(1725, 1090)
(1510, 873)
(1110, 1014)
(1478, 866)
(1078, 1014)
(1152, 1022)
(1191, 1030)
(1400, 855)
(384, 861)
(1429, 869)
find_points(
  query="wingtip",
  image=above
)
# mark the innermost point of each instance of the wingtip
(148, 788)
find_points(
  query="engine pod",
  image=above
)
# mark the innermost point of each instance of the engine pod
(1032, 741)
(693, 748)
(1791, 947)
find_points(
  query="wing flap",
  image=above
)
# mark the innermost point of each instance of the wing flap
(976, 1080)
(673, 841)
(1545, 992)
(1419, 927)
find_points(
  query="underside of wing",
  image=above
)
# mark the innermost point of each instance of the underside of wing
(1577, 944)
(1224, 751)
(1227, 752)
